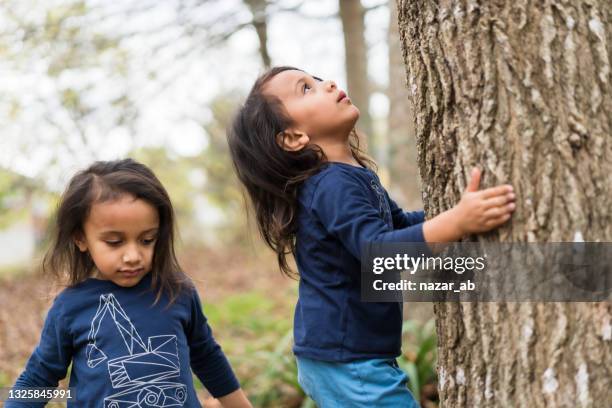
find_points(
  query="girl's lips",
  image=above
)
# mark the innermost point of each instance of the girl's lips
(341, 96)
(131, 272)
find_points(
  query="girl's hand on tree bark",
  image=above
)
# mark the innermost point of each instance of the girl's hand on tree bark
(478, 211)
(483, 210)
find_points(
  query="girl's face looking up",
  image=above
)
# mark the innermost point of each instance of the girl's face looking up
(319, 110)
(120, 236)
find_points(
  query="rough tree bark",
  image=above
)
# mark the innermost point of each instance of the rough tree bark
(523, 90)
(352, 15)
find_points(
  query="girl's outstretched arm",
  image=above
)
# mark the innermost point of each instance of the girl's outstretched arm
(235, 399)
(478, 211)
(50, 360)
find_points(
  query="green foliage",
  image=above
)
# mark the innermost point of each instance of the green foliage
(257, 336)
(222, 187)
(172, 172)
(11, 271)
(420, 354)
(16, 195)
(278, 370)
(218, 190)
(4, 380)
(250, 313)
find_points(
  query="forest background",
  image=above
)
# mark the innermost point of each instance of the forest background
(159, 81)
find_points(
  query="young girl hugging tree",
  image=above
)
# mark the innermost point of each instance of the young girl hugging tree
(130, 321)
(315, 196)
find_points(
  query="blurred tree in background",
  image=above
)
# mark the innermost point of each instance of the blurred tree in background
(400, 139)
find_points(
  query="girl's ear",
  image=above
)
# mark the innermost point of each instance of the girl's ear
(292, 140)
(79, 241)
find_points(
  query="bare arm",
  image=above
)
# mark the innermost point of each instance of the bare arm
(478, 211)
(236, 399)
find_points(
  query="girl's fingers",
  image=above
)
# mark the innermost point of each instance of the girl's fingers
(474, 180)
(499, 200)
(497, 191)
(493, 213)
(494, 222)
(499, 211)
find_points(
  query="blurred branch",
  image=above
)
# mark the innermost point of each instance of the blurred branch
(311, 16)
(376, 6)
(123, 12)
(297, 9)
(260, 23)
(64, 142)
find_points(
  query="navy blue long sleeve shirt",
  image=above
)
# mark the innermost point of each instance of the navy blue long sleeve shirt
(342, 208)
(126, 350)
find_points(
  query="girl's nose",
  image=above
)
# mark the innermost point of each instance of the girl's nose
(131, 255)
(330, 85)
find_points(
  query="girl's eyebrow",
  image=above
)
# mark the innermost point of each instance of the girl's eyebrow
(111, 232)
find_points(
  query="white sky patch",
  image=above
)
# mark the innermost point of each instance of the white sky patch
(117, 143)
(379, 105)
(376, 35)
(315, 46)
(187, 139)
(207, 215)
(197, 178)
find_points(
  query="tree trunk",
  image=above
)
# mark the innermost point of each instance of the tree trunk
(521, 89)
(352, 15)
(260, 23)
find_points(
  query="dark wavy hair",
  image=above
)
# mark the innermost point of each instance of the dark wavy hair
(106, 181)
(271, 175)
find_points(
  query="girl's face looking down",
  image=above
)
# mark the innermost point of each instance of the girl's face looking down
(120, 236)
(320, 112)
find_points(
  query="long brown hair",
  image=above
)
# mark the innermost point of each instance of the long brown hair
(105, 181)
(272, 176)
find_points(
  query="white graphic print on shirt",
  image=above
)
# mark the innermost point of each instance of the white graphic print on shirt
(143, 376)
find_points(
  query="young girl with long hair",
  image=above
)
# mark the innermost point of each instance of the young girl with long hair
(130, 321)
(316, 196)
